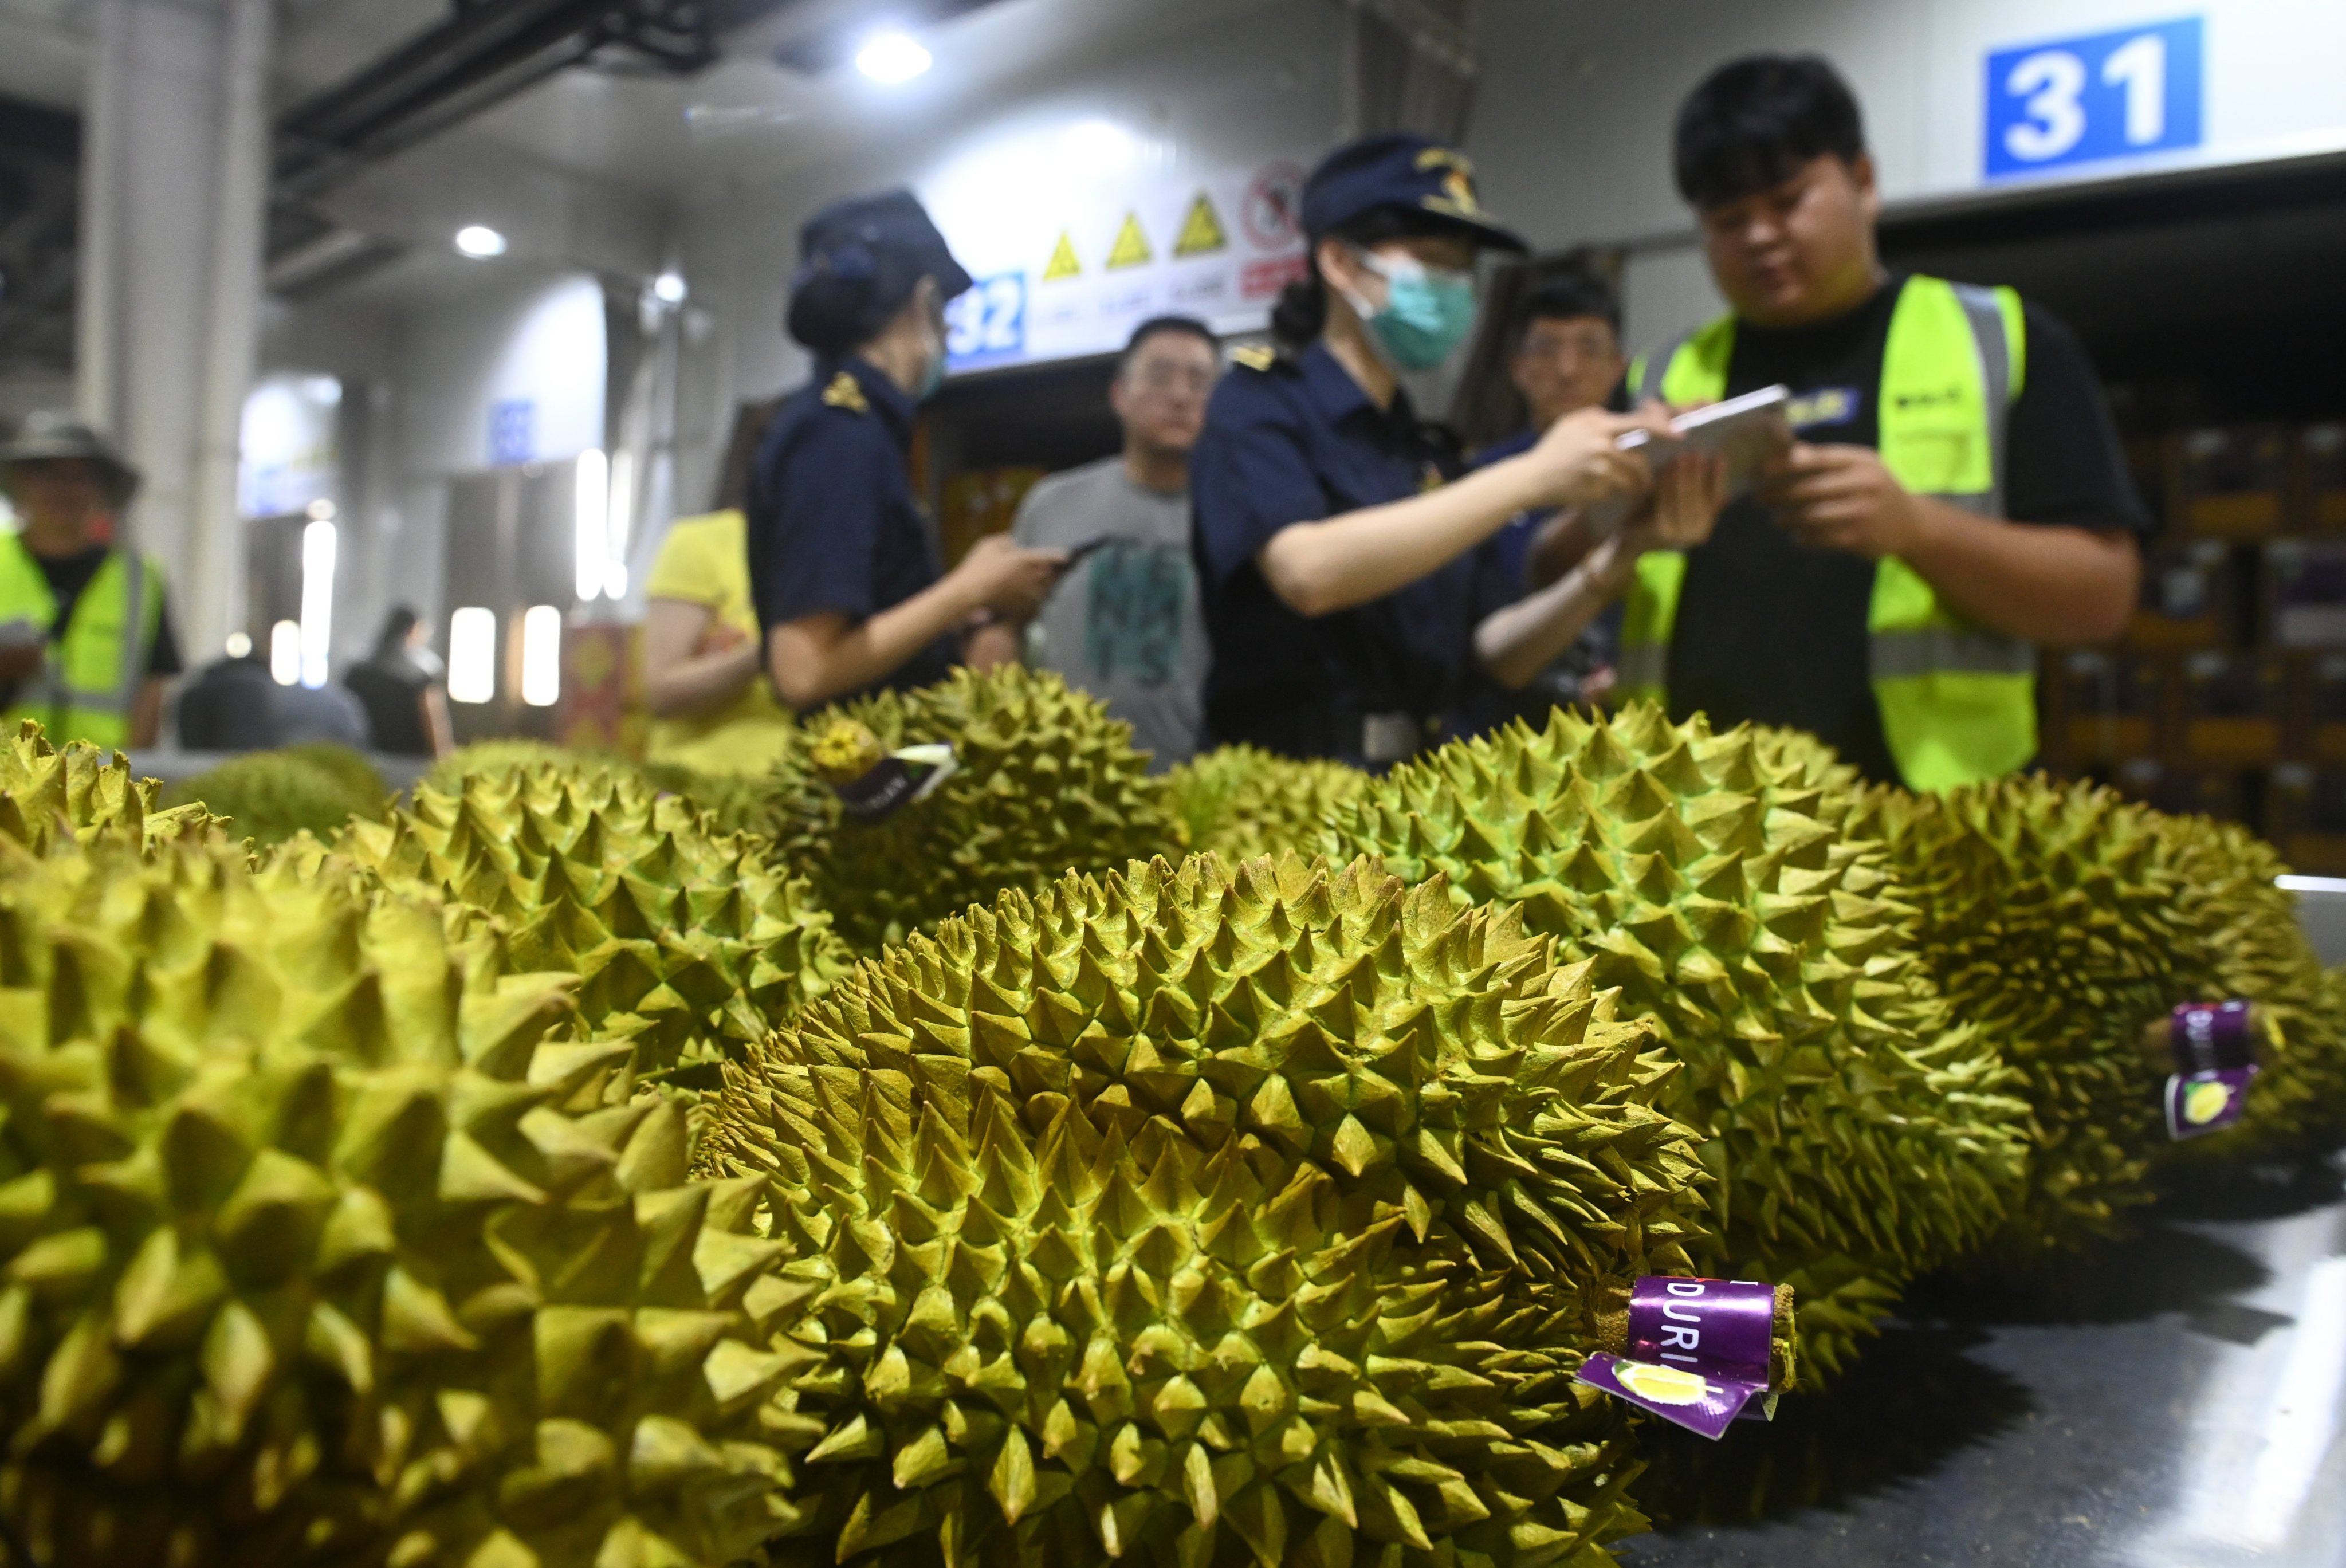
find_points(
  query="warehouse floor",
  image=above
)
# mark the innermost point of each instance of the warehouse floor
(2173, 1401)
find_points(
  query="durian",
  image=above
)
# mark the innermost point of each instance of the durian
(1045, 781)
(1207, 1217)
(689, 940)
(504, 756)
(1241, 802)
(2053, 919)
(1859, 1135)
(320, 1243)
(271, 796)
(47, 795)
(2245, 941)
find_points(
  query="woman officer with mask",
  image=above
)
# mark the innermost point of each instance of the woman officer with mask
(1336, 545)
(848, 591)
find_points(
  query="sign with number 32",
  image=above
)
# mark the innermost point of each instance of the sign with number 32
(2109, 96)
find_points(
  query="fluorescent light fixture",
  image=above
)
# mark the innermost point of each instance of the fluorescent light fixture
(321, 510)
(2293, 884)
(239, 644)
(1095, 146)
(591, 526)
(480, 241)
(472, 654)
(668, 289)
(317, 601)
(623, 507)
(892, 57)
(541, 656)
(285, 653)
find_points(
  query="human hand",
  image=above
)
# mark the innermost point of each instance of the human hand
(719, 636)
(19, 659)
(1842, 497)
(1008, 578)
(1576, 462)
(1684, 506)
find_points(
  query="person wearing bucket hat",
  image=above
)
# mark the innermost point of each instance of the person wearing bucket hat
(1339, 553)
(86, 638)
(847, 586)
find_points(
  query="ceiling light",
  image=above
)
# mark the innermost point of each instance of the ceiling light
(480, 241)
(891, 57)
(668, 289)
(1095, 145)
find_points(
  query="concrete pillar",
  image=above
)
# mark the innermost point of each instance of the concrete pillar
(175, 189)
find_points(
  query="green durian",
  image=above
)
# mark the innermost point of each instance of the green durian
(737, 800)
(271, 796)
(1859, 1135)
(1045, 781)
(2245, 941)
(504, 756)
(1241, 802)
(2054, 921)
(323, 1240)
(47, 795)
(692, 940)
(1201, 1218)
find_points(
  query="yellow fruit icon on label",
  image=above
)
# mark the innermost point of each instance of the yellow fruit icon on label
(2203, 1103)
(1663, 1385)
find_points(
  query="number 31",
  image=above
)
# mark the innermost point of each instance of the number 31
(2051, 79)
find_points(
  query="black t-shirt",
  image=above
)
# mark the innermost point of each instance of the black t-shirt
(1773, 633)
(391, 688)
(68, 576)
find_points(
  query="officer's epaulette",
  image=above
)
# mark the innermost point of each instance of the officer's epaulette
(1261, 357)
(843, 392)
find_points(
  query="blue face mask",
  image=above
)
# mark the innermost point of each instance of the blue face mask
(933, 378)
(1427, 312)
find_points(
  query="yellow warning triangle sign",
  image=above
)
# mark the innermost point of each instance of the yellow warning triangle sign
(1063, 262)
(1131, 247)
(1201, 231)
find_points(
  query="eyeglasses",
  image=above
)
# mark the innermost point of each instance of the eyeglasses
(1165, 378)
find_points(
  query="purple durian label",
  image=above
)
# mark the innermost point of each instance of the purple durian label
(2199, 1103)
(1697, 1352)
(1684, 1398)
(902, 777)
(2210, 1036)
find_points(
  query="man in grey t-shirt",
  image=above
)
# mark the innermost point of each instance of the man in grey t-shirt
(1122, 622)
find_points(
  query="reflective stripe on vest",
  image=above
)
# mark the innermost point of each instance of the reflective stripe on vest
(88, 683)
(1958, 702)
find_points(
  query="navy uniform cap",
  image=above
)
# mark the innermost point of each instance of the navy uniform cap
(1407, 172)
(857, 233)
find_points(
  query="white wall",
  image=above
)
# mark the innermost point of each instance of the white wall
(1572, 123)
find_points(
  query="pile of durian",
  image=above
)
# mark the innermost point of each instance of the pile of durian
(1228, 1167)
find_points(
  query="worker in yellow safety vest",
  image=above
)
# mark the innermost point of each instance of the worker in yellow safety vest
(1955, 496)
(86, 639)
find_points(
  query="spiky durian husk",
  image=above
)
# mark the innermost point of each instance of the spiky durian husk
(1209, 1217)
(737, 800)
(2245, 941)
(80, 793)
(1858, 1134)
(1046, 782)
(2055, 920)
(271, 796)
(687, 939)
(506, 755)
(1241, 802)
(314, 1249)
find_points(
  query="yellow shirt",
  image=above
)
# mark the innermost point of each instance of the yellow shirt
(705, 561)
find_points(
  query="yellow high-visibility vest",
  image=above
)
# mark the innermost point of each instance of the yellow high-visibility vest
(88, 685)
(1958, 701)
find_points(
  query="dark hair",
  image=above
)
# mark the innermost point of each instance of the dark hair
(395, 627)
(1559, 297)
(1302, 308)
(1755, 121)
(843, 297)
(1155, 324)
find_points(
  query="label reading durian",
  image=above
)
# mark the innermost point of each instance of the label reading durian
(2211, 1036)
(904, 776)
(1696, 1353)
(2200, 1103)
